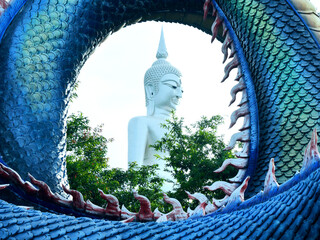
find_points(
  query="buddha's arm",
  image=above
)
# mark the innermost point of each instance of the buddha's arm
(137, 140)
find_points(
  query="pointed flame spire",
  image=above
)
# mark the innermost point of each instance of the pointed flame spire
(162, 49)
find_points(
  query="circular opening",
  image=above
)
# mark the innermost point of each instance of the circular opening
(111, 89)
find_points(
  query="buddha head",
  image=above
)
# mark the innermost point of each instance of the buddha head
(162, 83)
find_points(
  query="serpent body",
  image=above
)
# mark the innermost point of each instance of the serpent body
(48, 41)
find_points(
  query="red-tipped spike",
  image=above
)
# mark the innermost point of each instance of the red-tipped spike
(3, 186)
(126, 214)
(177, 213)
(157, 214)
(206, 6)
(145, 213)
(270, 180)
(231, 65)
(4, 4)
(3, 173)
(225, 47)
(12, 174)
(311, 153)
(77, 198)
(95, 209)
(113, 204)
(225, 29)
(201, 209)
(215, 26)
(44, 190)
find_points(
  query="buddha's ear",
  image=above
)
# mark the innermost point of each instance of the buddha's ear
(150, 97)
(149, 91)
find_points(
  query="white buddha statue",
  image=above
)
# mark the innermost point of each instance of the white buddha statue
(163, 90)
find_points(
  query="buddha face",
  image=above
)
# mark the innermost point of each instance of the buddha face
(169, 93)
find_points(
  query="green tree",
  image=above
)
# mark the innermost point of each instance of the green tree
(86, 155)
(88, 169)
(193, 153)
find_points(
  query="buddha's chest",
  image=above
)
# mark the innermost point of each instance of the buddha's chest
(155, 131)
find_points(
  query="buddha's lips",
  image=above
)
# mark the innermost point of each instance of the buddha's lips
(175, 100)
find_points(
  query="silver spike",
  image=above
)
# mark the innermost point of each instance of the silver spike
(233, 50)
(240, 112)
(239, 177)
(220, 202)
(240, 86)
(210, 208)
(226, 187)
(244, 98)
(246, 123)
(238, 194)
(225, 46)
(239, 75)
(200, 209)
(235, 162)
(244, 152)
(234, 63)
(243, 136)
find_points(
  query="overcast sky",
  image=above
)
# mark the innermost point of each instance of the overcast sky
(111, 87)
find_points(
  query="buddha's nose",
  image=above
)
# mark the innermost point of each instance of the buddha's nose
(179, 93)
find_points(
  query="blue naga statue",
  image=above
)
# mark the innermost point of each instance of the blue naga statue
(274, 45)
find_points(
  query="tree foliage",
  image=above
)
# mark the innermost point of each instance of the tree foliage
(193, 153)
(88, 168)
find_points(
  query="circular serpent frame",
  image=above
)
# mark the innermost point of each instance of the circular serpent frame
(46, 42)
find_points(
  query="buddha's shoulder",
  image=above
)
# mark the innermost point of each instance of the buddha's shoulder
(138, 120)
(142, 120)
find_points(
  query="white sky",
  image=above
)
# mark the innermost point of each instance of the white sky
(111, 87)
